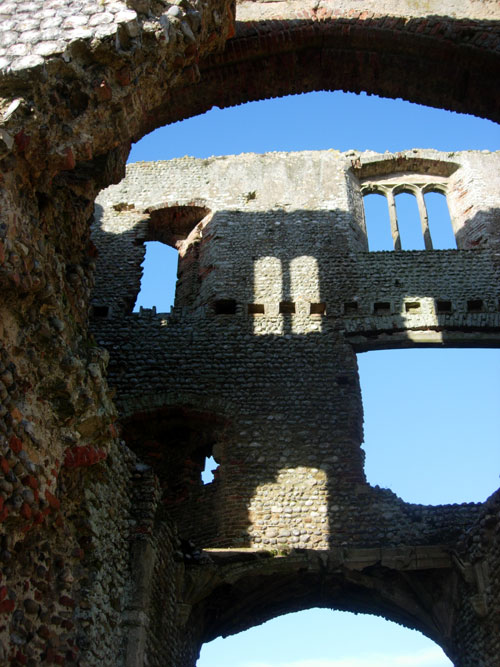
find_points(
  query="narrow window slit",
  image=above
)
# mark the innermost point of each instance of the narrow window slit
(207, 475)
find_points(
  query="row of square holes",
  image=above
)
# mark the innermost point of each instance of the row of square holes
(228, 307)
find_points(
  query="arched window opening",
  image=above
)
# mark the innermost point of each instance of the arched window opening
(431, 423)
(378, 226)
(159, 277)
(304, 639)
(171, 263)
(440, 227)
(409, 224)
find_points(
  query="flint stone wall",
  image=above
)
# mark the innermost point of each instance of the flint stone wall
(93, 572)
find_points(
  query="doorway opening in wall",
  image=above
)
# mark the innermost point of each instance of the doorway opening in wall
(159, 277)
(431, 423)
(324, 638)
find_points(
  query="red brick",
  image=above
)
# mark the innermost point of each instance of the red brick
(54, 502)
(16, 444)
(66, 601)
(6, 606)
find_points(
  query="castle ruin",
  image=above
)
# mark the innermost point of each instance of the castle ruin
(112, 551)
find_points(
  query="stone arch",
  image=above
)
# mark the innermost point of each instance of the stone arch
(68, 120)
(249, 589)
(122, 230)
(352, 52)
(174, 440)
(429, 59)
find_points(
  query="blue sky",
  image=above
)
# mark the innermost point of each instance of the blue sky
(432, 422)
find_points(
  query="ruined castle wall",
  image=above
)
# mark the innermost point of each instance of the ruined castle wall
(65, 487)
(80, 80)
(298, 283)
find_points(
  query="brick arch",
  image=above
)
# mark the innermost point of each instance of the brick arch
(437, 61)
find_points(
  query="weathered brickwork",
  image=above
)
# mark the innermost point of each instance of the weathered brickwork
(103, 435)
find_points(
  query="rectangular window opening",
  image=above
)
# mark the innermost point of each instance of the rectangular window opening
(256, 309)
(287, 307)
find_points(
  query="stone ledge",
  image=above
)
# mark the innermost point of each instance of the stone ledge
(398, 558)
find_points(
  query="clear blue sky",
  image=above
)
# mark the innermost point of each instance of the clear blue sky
(432, 421)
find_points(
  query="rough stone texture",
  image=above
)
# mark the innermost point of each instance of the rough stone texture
(102, 534)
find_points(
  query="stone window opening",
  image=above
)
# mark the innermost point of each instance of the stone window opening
(431, 234)
(172, 239)
(158, 268)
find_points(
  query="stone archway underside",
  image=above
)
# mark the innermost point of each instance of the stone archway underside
(433, 61)
(231, 591)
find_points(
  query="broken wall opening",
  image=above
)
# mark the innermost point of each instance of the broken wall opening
(159, 277)
(431, 423)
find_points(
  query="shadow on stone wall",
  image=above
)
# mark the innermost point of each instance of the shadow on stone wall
(275, 396)
(291, 465)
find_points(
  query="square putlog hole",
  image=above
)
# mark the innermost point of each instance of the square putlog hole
(382, 308)
(412, 307)
(317, 309)
(256, 309)
(225, 307)
(475, 306)
(100, 311)
(443, 307)
(351, 308)
(287, 307)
